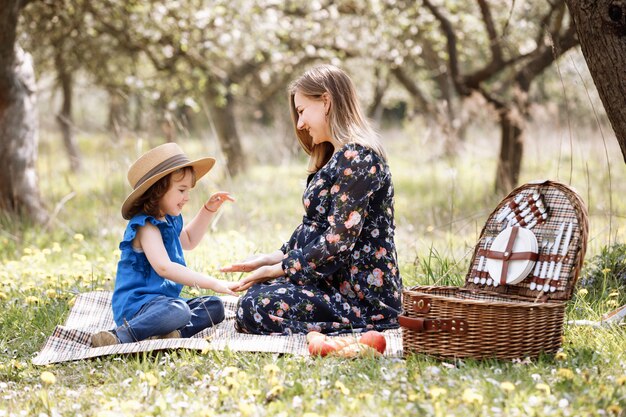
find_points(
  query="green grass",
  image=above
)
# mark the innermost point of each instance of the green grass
(441, 205)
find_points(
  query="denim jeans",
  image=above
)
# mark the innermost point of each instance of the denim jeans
(163, 315)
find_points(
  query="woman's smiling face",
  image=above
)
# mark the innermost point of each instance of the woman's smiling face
(312, 117)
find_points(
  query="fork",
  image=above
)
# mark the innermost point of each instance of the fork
(544, 266)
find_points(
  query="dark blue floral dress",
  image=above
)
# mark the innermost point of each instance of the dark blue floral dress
(340, 264)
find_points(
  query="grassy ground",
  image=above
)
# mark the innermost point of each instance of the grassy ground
(441, 205)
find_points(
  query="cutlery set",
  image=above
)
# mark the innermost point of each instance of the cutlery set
(512, 257)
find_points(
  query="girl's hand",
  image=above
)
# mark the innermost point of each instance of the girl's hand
(225, 287)
(262, 274)
(214, 202)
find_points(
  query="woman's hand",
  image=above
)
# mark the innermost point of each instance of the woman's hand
(216, 200)
(262, 274)
(254, 262)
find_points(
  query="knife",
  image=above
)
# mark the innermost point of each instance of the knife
(557, 272)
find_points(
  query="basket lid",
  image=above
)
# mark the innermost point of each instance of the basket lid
(533, 244)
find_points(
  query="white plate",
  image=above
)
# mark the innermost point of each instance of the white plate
(525, 241)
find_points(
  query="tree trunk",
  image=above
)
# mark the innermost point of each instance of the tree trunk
(117, 112)
(222, 113)
(601, 28)
(64, 118)
(511, 149)
(375, 110)
(19, 188)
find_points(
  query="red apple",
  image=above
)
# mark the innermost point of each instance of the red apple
(310, 336)
(374, 339)
(321, 347)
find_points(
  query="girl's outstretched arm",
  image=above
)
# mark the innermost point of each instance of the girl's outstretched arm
(152, 245)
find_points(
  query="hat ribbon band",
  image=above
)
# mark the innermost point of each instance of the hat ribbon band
(171, 162)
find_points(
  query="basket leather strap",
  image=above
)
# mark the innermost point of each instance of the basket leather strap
(433, 325)
(509, 255)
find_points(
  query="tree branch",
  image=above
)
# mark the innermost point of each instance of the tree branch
(411, 87)
(546, 56)
(451, 46)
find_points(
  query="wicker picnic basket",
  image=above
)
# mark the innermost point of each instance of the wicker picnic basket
(513, 302)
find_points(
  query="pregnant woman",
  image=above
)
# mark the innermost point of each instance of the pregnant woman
(338, 272)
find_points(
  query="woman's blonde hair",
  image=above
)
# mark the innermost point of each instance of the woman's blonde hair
(345, 118)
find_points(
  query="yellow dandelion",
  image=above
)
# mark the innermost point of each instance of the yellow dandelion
(271, 369)
(472, 397)
(131, 405)
(150, 378)
(413, 397)
(611, 303)
(79, 257)
(560, 356)
(107, 413)
(231, 382)
(606, 271)
(543, 387)
(621, 380)
(79, 237)
(583, 292)
(614, 409)
(230, 370)
(507, 386)
(32, 300)
(341, 387)
(3, 296)
(56, 247)
(436, 392)
(565, 373)
(48, 378)
(614, 293)
(275, 392)
(245, 408)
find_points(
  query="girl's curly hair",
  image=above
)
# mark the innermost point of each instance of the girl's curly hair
(148, 203)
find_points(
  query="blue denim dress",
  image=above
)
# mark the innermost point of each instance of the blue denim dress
(146, 304)
(136, 282)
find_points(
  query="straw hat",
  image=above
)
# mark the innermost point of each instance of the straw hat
(156, 164)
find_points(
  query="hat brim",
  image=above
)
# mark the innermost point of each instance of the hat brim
(200, 167)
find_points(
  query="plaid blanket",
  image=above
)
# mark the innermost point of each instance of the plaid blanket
(92, 313)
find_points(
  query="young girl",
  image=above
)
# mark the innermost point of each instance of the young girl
(152, 270)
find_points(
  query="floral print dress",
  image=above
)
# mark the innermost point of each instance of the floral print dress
(340, 264)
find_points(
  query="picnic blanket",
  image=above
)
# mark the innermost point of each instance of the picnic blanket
(92, 313)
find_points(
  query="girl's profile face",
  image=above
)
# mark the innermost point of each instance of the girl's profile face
(312, 117)
(177, 195)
